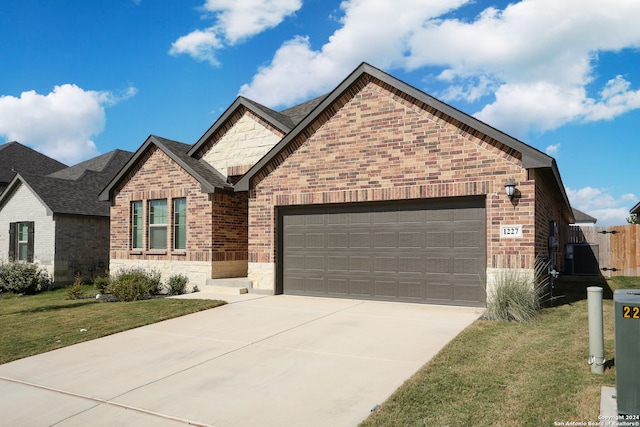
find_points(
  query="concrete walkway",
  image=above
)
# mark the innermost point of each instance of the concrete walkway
(261, 360)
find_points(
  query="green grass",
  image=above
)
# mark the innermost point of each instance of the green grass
(504, 374)
(35, 324)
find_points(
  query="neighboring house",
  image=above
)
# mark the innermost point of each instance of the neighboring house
(582, 218)
(15, 157)
(375, 191)
(57, 221)
(635, 210)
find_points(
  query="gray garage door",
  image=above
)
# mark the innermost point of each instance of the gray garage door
(423, 251)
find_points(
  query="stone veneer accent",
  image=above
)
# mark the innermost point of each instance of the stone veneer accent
(216, 223)
(262, 275)
(242, 145)
(376, 143)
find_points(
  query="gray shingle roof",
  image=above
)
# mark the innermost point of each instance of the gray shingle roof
(210, 179)
(19, 158)
(74, 190)
(300, 111)
(635, 209)
(582, 217)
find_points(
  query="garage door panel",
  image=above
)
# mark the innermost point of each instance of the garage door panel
(295, 284)
(437, 265)
(384, 240)
(337, 240)
(411, 265)
(386, 289)
(411, 290)
(337, 264)
(385, 265)
(466, 239)
(400, 252)
(359, 264)
(338, 286)
(360, 287)
(338, 219)
(440, 291)
(315, 285)
(314, 262)
(437, 239)
(360, 218)
(466, 266)
(359, 240)
(294, 262)
(410, 239)
(314, 240)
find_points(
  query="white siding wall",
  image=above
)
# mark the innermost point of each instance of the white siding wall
(23, 205)
(244, 144)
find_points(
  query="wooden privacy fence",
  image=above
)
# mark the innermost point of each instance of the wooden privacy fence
(616, 249)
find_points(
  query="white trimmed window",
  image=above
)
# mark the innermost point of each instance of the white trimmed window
(136, 225)
(158, 224)
(180, 223)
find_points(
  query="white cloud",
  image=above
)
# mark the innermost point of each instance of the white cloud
(235, 21)
(375, 31)
(532, 61)
(59, 124)
(553, 149)
(201, 45)
(602, 205)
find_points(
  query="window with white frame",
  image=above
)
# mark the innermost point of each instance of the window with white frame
(180, 223)
(136, 225)
(157, 224)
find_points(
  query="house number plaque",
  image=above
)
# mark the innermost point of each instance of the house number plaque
(510, 231)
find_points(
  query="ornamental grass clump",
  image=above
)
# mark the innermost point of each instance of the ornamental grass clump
(517, 296)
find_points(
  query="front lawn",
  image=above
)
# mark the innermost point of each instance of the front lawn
(34, 324)
(506, 374)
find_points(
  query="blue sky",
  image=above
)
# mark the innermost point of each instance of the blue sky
(79, 78)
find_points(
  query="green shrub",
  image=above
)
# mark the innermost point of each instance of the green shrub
(155, 286)
(132, 285)
(75, 290)
(517, 296)
(23, 278)
(177, 284)
(101, 284)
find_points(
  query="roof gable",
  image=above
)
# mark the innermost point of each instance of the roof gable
(283, 121)
(211, 180)
(236, 110)
(531, 157)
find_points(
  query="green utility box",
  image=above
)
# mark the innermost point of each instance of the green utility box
(626, 304)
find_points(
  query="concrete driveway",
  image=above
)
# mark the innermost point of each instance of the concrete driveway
(267, 360)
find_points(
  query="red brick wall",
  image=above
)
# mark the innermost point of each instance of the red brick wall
(547, 210)
(216, 224)
(376, 143)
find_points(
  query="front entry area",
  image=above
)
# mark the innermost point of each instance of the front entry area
(426, 251)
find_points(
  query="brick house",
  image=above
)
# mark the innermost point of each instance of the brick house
(376, 190)
(56, 220)
(201, 230)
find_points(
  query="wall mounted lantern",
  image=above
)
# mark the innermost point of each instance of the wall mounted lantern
(510, 188)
